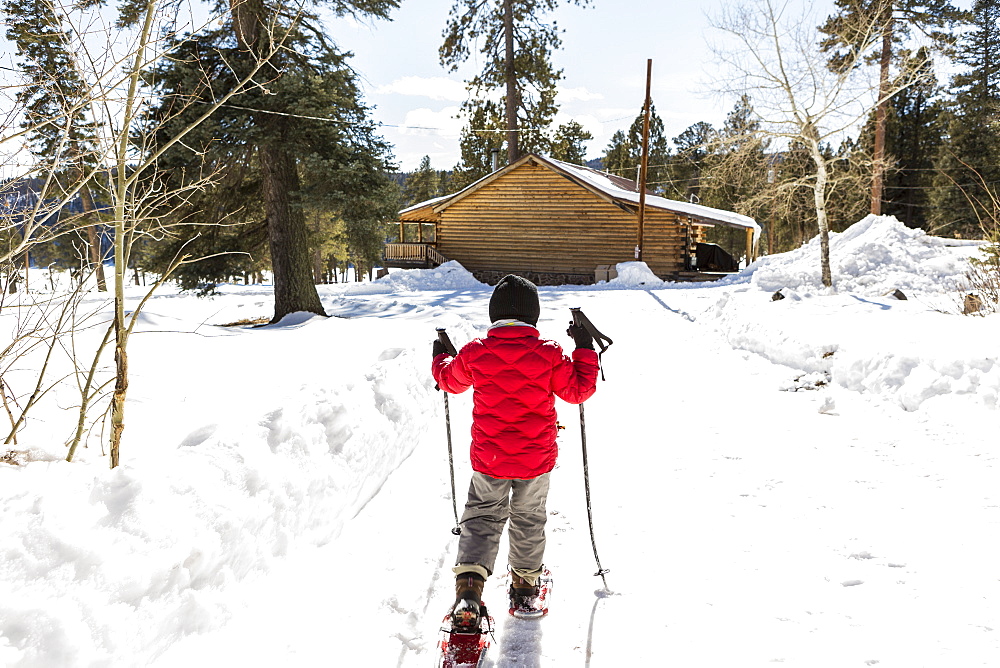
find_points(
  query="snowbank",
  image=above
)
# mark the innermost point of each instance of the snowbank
(634, 275)
(873, 257)
(861, 337)
(449, 276)
(109, 568)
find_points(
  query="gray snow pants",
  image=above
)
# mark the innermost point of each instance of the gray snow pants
(492, 501)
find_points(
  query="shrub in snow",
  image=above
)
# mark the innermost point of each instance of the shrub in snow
(984, 281)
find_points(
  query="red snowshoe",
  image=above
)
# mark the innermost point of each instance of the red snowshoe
(464, 646)
(528, 602)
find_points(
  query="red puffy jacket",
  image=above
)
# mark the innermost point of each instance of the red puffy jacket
(516, 377)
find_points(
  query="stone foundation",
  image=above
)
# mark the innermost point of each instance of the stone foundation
(536, 277)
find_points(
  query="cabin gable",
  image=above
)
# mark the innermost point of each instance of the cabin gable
(533, 220)
(556, 223)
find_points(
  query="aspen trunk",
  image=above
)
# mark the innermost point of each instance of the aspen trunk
(819, 199)
(122, 237)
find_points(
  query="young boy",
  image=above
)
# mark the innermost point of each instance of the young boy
(515, 378)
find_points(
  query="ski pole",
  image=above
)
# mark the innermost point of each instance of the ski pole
(450, 347)
(580, 320)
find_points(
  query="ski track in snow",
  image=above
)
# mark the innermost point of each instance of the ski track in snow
(809, 482)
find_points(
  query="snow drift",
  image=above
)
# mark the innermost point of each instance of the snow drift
(861, 336)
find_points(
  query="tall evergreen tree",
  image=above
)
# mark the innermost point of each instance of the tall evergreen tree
(619, 156)
(56, 104)
(421, 185)
(516, 46)
(969, 161)
(693, 146)
(299, 146)
(913, 141)
(568, 143)
(306, 107)
(735, 173)
(479, 141)
(894, 21)
(623, 154)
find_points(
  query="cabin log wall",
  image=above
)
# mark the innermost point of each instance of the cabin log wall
(534, 220)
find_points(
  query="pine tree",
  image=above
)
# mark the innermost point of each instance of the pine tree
(693, 146)
(913, 140)
(568, 143)
(623, 154)
(300, 148)
(969, 161)
(479, 140)
(619, 157)
(516, 47)
(275, 131)
(421, 185)
(894, 21)
(734, 175)
(55, 101)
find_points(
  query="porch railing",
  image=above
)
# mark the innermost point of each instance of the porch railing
(412, 255)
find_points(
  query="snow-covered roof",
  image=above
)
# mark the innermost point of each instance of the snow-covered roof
(605, 184)
(425, 203)
(613, 187)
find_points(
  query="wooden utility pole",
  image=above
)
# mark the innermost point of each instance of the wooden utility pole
(643, 169)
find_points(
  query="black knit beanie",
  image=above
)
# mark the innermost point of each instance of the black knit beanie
(515, 298)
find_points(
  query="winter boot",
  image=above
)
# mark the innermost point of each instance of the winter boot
(468, 602)
(522, 593)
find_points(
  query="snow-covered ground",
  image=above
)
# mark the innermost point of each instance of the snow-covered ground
(808, 482)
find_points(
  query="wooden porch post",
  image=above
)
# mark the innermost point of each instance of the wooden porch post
(750, 254)
(402, 232)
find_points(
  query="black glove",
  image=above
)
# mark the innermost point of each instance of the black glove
(439, 347)
(581, 336)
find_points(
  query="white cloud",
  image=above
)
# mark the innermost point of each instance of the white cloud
(436, 88)
(579, 94)
(589, 122)
(423, 122)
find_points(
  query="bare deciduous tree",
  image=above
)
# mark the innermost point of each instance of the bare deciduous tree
(111, 87)
(773, 56)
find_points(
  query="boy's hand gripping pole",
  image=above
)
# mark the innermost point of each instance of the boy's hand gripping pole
(443, 338)
(450, 347)
(580, 320)
(602, 340)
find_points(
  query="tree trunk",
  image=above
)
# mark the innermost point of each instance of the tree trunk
(288, 240)
(318, 276)
(93, 241)
(819, 199)
(513, 151)
(878, 152)
(288, 237)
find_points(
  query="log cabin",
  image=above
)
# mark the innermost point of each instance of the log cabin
(558, 223)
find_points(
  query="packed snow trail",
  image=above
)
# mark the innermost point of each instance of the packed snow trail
(742, 526)
(810, 481)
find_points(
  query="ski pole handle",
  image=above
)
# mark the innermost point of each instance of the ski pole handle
(448, 345)
(581, 320)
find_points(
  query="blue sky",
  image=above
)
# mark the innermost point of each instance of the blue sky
(604, 53)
